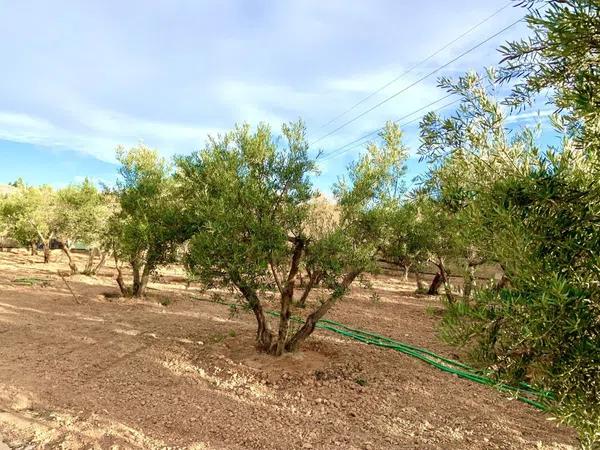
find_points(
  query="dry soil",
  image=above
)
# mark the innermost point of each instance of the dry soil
(99, 371)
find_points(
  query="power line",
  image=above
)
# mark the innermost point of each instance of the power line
(406, 72)
(406, 116)
(345, 148)
(433, 72)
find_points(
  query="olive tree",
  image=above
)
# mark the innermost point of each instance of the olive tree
(535, 213)
(251, 196)
(559, 58)
(29, 216)
(560, 199)
(147, 224)
(418, 236)
(81, 213)
(466, 152)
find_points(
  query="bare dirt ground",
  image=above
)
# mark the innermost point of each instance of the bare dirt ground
(115, 373)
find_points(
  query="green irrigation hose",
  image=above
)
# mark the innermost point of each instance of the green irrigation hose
(523, 392)
(443, 364)
(522, 385)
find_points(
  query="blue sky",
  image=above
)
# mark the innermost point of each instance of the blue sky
(80, 78)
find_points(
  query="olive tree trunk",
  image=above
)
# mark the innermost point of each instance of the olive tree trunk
(67, 250)
(141, 275)
(125, 291)
(435, 285)
(46, 252)
(441, 278)
(264, 336)
(311, 321)
(313, 279)
(445, 280)
(100, 263)
(406, 269)
(90, 262)
(276, 345)
(287, 296)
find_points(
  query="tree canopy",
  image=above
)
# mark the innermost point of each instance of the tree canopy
(253, 200)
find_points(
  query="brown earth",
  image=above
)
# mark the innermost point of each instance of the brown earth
(99, 371)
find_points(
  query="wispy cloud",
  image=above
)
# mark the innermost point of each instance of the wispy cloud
(96, 75)
(530, 116)
(104, 131)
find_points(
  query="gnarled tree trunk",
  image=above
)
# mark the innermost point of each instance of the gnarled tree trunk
(445, 280)
(287, 296)
(121, 283)
(90, 262)
(100, 263)
(140, 290)
(406, 269)
(435, 285)
(141, 275)
(46, 245)
(136, 269)
(313, 280)
(46, 251)
(266, 340)
(67, 249)
(264, 336)
(125, 291)
(311, 321)
(441, 278)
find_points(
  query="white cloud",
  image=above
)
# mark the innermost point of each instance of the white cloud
(104, 131)
(535, 116)
(94, 76)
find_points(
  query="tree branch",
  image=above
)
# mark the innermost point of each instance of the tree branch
(297, 255)
(315, 316)
(277, 282)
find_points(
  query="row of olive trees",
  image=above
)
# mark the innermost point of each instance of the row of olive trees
(243, 213)
(42, 215)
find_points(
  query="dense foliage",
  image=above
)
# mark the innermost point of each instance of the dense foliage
(81, 215)
(533, 212)
(147, 227)
(254, 205)
(536, 215)
(28, 216)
